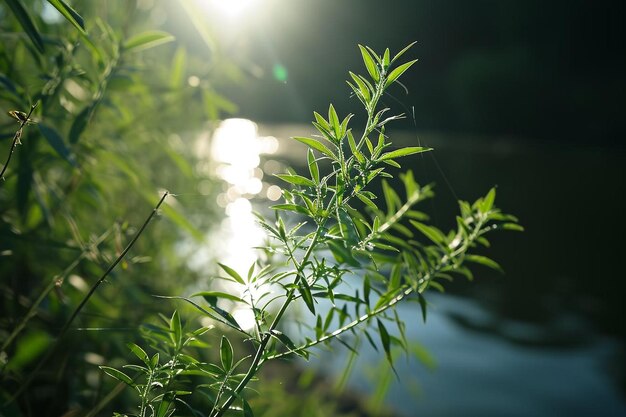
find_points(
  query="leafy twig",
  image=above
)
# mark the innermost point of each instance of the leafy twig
(86, 298)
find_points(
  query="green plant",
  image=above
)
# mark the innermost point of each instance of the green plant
(101, 131)
(345, 239)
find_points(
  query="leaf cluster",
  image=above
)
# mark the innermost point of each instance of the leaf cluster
(350, 258)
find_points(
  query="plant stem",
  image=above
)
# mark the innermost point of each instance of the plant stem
(16, 139)
(53, 282)
(258, 357)
(408, 290)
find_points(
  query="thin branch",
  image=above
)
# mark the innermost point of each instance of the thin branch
(403, 294)
(80, 306)
(16, 138)
(51, 285)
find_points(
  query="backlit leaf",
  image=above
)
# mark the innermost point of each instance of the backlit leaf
(226, 354)
(148, 39)
(397, 72)
(230, 271)
(369, 63)
(404, 152)
(70, 14)
(27, 23)
(119, 375)
(483, 260)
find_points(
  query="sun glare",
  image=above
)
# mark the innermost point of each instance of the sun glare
(231, 8)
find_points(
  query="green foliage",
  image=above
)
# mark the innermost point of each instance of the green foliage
(350, 259)
(101, 146)
(102, 129)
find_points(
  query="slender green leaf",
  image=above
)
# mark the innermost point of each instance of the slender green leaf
(488, 201)
(333, 119)
(226, 354)
(212, 296)
(139, 352)
(422, 301)
(230, 271)
(296, 179)
(148, 39)
(57, 143)
(404, 152)
(483, 260)
(80, 123)
(305, 292)
(513, 226)
(397, 72)
(369, 63)
(176, 329)
(399, 54)
(247, 410)
(285, 340)
(367, 201)
(430, 232)
(313, 168)
(27, 23)
(363, 88)
(291, 207)
(385, 340)
(70, 14)
(386, 60)
(119, 375)
(320, 119)
(179, 67)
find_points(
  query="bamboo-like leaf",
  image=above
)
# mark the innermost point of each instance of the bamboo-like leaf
(399, 54)
(148, 39)
(385, 340)
(363, 87)
(154, 361)
(291, 207)
(296, 179)
(178, 70)
(247, 410)
(57, 143)
(176, 329)
(367, 201)
(404, 152)
(305, 292)
(313, 168)
(488, 201)
(422, 302)
(80, 123)
(27, 23)
(212, 296)
(70, 14)
(119, 375)
(226, 354)
(386, 60)
(370, 64)
(432, 233)
(513, 226)
(397, 72)
(318, 146)
(483, 260)
(230, 271)
(320, 119)
(333, 120)
(139, 352)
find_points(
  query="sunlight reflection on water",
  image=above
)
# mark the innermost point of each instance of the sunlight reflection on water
(237, 148)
